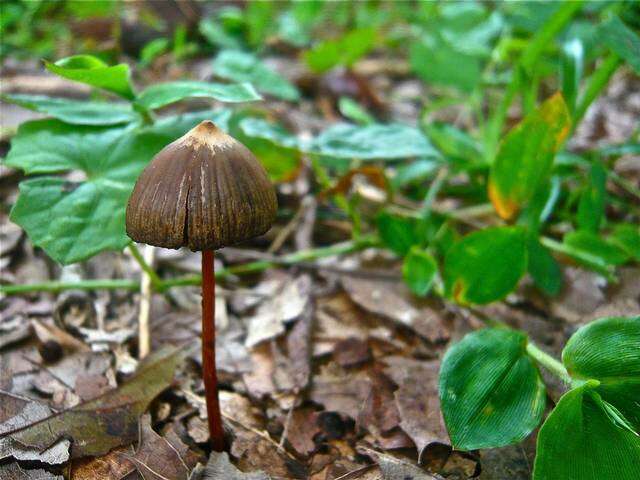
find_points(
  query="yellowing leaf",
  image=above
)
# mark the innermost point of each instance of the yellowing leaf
(525, 158)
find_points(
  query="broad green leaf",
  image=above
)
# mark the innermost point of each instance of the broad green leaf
(397, 233)
(582, 439)
(525, 157)
(437, 62)
(627, 237)
(93, 71)
(344, 51)
(596, 246)
(414, 172)
(419, 271)
(608, 350)
(373, 142)
(593, 199)
(73, 220)
(491, 392)
(80, 112)
(543, 268)
(163, 94)
(621, 40)
(276, 148)
(485, 265)
(241, 66)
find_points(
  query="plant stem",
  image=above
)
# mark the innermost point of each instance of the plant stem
(216, 432)
(599, 79)
(548, 362)
(250, 267)
(156, 281)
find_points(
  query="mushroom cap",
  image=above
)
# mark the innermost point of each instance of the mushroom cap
(204, 191)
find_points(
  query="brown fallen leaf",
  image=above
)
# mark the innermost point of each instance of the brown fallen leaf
(303, 427)
(112, 466)
(392, 300)
(157, 459)
(13, 471)
(97, 426)
(219, 467)
(393, 468)
(340, 391)
(419, 404)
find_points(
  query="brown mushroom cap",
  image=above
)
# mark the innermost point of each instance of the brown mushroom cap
(204, 191)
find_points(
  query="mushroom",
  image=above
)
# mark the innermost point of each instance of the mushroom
(204, 191)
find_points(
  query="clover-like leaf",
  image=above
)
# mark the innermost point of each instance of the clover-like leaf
(490, 390)
(586, 437)
(485, 265)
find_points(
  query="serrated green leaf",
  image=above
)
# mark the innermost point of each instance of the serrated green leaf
(93, 71)
(581, 441)
(525, 157)
(621, 40)
(486, 265)
(239, 66)
(80, 112)
(163, 94)
(373, 142)
(397, 233)
(73, 220)
(608, 350)
(596, 246)
(543, 268)
(419, 271)
(491, 393)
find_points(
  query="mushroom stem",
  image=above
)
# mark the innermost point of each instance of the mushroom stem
(216, 432)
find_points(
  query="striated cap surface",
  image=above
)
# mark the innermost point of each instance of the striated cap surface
(204, 191)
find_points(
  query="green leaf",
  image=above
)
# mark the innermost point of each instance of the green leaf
(437, 62)
(571, 71)
(593, 245)
(163, 94)
(241, 66)
(419, 271)
(485, 265)
(581, 441)
(373, 142)
(490, 390)
(543, 268)
(74, 220)
(453, 142)
(622, 41)
(525, 157)
(627, 237)
(80, 112)
(276, 148)
(93, 71)
(344, 51)
(354, 111)
(608, 350)
(592, 200)
(397, 233)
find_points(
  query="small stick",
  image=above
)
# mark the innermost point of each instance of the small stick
(144, 339)
(216, 431)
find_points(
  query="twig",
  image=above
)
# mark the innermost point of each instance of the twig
(144, 339)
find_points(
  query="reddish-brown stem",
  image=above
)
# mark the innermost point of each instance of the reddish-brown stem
(216, 432)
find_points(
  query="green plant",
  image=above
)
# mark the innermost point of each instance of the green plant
(492, 395)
